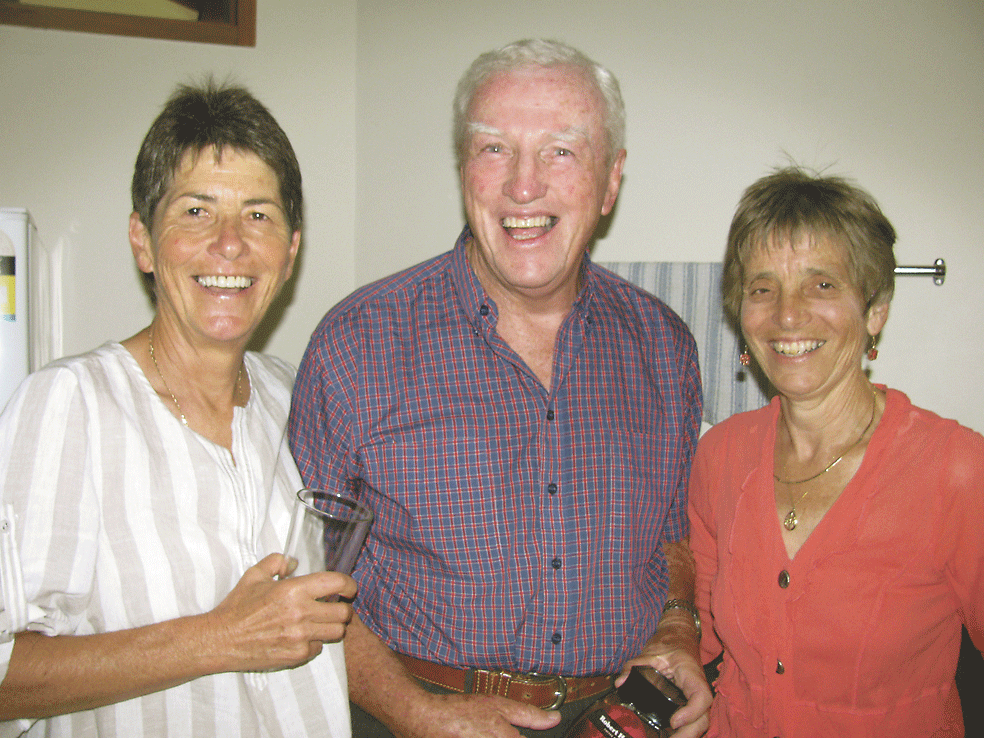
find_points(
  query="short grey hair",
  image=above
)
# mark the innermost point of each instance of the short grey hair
(539, 53)
(794, 203)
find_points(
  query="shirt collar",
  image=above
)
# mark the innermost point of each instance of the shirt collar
(469, 291)
(476, 303)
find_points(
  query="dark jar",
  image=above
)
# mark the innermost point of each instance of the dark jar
(640, 708)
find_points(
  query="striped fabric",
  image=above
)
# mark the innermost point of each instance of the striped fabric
(693, 290)
(113, 515)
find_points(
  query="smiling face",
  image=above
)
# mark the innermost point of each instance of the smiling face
(220, 249)
(804, 320)
(535, 179)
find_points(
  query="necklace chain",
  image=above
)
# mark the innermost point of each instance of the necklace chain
(791, 520)
(184, 420)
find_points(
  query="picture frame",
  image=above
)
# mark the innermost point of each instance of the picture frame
(238, 30)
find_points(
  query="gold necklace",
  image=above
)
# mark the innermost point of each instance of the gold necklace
(184, 420)
(791, 520)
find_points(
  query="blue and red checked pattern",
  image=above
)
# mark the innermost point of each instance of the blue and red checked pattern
(515, 528)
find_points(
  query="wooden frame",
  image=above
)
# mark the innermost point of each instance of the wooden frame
(240, 32)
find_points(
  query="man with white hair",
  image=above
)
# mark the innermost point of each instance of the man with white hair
(521, 421)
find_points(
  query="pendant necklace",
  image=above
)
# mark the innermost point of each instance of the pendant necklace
(184, 420)
(791, 520)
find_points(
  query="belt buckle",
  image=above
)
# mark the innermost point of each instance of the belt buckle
(560, 692)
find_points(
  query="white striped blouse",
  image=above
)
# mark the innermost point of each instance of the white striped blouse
(114, 515)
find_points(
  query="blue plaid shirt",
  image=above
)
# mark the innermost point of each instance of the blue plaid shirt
(515, 528)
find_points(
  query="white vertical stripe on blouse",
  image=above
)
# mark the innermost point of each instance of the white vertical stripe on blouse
(113, 515)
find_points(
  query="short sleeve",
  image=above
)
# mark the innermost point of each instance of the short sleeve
(703, 542)
(321, 414)
(678, 522)
(963, 525)
(13, 609)
(13, 604)
(49, 518)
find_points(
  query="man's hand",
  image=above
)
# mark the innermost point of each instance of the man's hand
(381, 685)
(473, 716)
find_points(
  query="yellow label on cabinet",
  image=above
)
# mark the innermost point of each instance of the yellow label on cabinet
(8, 268)
(8, 301)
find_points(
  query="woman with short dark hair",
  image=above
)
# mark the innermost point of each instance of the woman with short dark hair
(146, 486)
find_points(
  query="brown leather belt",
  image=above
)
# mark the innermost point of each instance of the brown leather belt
(545, 691)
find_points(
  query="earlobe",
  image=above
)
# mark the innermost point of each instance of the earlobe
(141, 244)
(295, 244)
(614, 182)
(877, 317)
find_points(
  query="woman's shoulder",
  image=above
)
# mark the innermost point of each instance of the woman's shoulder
(271, 367)
(745, 426)
(272, 381)
(79, 369)
(109, 352)
(71, 385)
(914, 421)
(920, 434)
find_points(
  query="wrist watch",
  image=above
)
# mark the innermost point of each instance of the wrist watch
(689, 607)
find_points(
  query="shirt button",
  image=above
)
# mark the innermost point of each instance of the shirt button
(550, 414)
(784, 579)
(552, 488)
(555, 638)
(780, 669)
(484, 310)
(556, 563)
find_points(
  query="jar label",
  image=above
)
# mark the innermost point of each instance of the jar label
(617, 721)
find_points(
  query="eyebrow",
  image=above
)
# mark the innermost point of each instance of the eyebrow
(474, 128)
(572, 133)
(567, 134)
(211, 199)
(811, 272)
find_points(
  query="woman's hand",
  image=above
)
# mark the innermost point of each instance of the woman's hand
(269, 623)
(263, 624)
(673, 652)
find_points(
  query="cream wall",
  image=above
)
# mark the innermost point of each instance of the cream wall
(887, 91)
(717, 93)
(74, 108)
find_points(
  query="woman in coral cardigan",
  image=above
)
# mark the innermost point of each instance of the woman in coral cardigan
(838, 530)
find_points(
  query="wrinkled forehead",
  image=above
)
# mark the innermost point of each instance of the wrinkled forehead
(563, 89)
(192, 156)
(829, 254)
(794, 238)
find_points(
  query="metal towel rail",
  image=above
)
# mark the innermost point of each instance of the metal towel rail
(937, 271)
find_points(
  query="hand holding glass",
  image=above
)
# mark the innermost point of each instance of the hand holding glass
(326, 532)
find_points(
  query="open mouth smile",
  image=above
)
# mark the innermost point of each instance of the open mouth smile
(223, 282)
(524, 229)
(795, 348)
